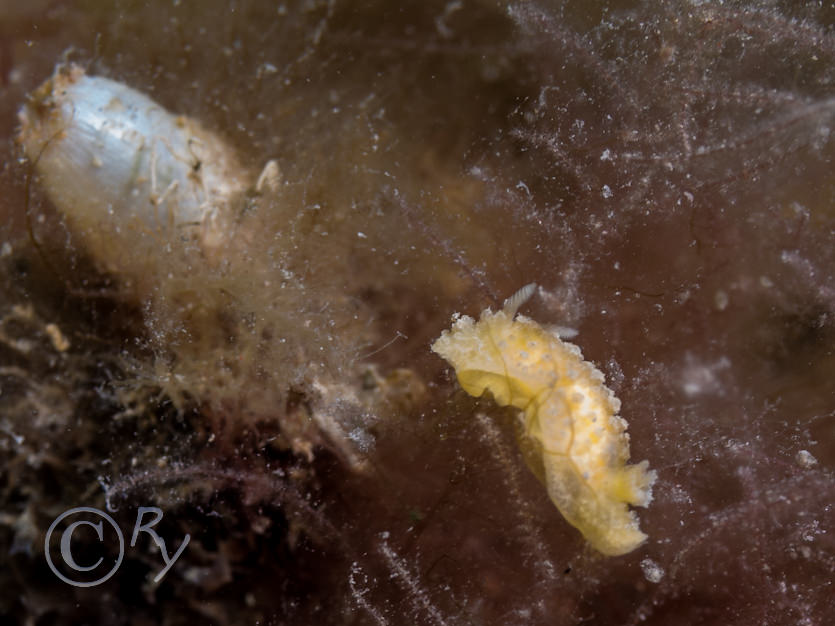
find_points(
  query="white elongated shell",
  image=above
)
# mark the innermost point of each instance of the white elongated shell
(124, 170)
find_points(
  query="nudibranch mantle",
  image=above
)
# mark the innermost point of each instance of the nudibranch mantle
(571, 435)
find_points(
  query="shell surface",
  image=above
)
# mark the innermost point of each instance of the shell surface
(121, 167)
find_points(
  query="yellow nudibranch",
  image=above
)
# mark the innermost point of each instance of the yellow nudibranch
(571, 435)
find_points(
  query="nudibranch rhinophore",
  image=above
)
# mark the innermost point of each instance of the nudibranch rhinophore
(571, 436)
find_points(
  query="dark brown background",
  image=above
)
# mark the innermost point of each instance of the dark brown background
(661, 170)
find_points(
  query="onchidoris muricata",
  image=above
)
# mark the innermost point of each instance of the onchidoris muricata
(572, 436)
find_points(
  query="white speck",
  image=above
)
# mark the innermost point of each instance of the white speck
(607, 191)
(805, 459)
(265, 69)
(6, 250)
(362, 235)
(18, 439)
(521, 185)
(652, 570)
(720, 300)
(766, 282)
(565, 332)
(363, 440)
(606, 156)
(699, 377)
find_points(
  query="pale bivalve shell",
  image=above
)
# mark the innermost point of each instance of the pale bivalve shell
(126, 171)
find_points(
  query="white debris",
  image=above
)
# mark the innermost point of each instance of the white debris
(805, 459)
(653, 572)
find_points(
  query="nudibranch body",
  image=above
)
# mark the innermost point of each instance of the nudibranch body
(572, 436)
